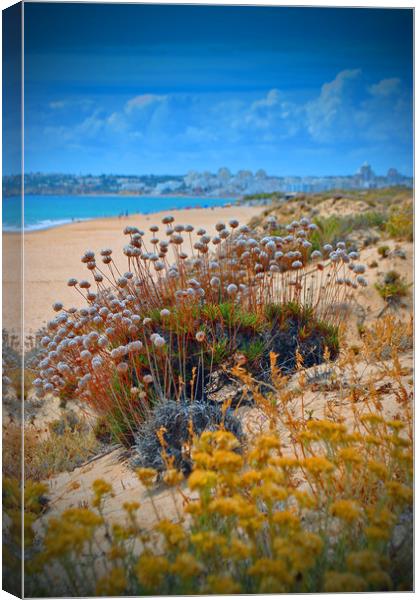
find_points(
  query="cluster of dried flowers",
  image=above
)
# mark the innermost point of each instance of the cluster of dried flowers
(146, 332)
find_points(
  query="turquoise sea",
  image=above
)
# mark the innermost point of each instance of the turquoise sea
(43, 212)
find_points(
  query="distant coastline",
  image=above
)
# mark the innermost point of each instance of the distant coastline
(129, 195)
(50, 211)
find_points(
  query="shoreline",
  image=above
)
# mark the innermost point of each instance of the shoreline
(124, 218)
(113, 194)
(58, 224)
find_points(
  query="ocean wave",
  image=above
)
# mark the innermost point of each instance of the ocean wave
(39, 225)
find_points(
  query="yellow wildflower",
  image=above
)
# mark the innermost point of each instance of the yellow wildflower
(223, 440)
(317, 465)
(226, 440)
(373, 440)
(251, 477)
(203, 460)
(194, 507)
(237, 550)
(151, 570)
(229, 479)
(344, 582)
(233, 506)
(304, 499)
(396, 425)
(353, 437)
(221, 584)
(173, 532)
(122, 533)
(200, 479)
(351, 455)
(268, 442)
(173, 477)
(82, 516)
(34, 491)
(284, 462)
(383, 517)
(224, 459)
(208, 542)
(310, 541)
(372, 418)
(378, 468)
(69, 534)
(400, 442)
(399, 492)
(186, 566)
(283, 548)
(362, 562)
(272, 567)
(286, 518)
(327, 429)
(308, 436)
(131, 507)
(252, 524)
(101, 488)
(146, 476)
(262, 448)
(270, 492)
(272, 474)
(300, 550)
(113, 584)
(347, 510)
(405, 456)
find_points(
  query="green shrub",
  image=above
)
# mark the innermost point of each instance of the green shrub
(400, 223)
(383, 251)
(335, 228)
(393, 287)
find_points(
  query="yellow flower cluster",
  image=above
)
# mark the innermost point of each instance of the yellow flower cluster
(71, 532)
(317, 509)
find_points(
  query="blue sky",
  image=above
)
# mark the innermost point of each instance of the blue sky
(166, 89)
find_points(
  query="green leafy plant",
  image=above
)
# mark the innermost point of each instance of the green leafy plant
(393, 287)
(383, 251)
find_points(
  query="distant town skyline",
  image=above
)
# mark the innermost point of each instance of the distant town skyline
(84, 173)
(222, 183)
(169, 89)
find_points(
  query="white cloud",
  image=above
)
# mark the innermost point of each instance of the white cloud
(334, 112)
(270, 117)
(117, 122)
(81, 103)
(347, 110)
(386, 87)
(143, 101)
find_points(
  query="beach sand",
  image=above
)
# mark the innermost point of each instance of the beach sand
(53, 255)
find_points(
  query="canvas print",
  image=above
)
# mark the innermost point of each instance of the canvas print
(207, 299)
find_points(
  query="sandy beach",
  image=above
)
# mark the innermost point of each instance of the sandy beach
(53, 255)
